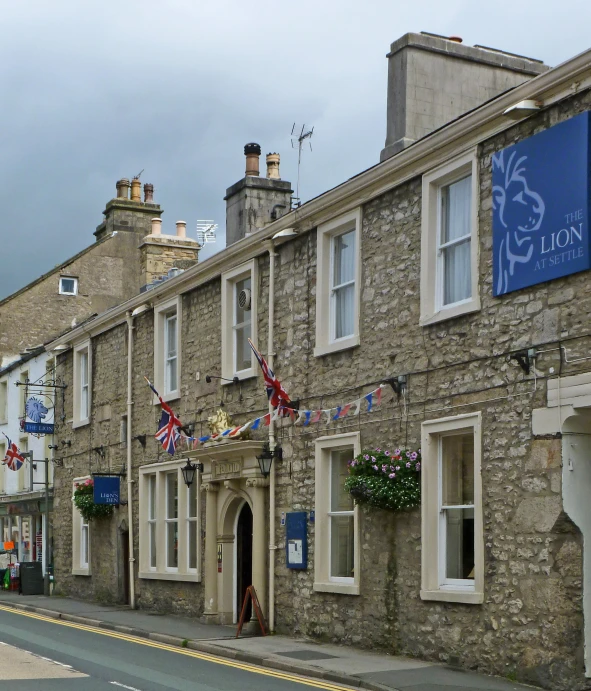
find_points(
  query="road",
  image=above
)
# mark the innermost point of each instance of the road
(42, 654)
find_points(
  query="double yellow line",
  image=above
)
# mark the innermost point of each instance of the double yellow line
(318, 684)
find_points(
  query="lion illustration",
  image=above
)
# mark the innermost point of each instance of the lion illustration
(519, 211)
(35, 410)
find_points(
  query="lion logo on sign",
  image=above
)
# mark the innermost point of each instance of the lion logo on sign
(520, 212)
(35, 410)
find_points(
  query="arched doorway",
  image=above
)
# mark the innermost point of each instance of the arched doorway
(243, 560)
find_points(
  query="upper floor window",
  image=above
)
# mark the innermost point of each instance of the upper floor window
(82, 384)
(167, 349)
(68, 285)
(239, 320)
(338, 284)
(3, 401)
(449, 241)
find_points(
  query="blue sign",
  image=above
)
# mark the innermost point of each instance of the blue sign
(541, 189)
(106, 489)
(38, 428)
(296, 542)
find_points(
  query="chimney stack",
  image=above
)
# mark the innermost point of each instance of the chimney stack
(123, 188)
(136, 194)
(181, 229)
(148, 193)
(273, 167)
(252, 152)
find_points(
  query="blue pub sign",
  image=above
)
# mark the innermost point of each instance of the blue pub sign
(106, 489)
(541, 198)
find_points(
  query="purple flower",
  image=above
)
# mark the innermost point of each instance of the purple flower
(392, 476)
(418, 466)
(413, 456)
(407, 454)
(378, 450)
(373, 459)
(375, 467)
(384, 469)
(397, 452)
(353, 462)
(397, 467)
(387, 453)
(408, 465)
(366, 457)
(392, 468)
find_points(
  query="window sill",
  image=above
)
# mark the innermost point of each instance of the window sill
(155, 575)
(467, 597)
(80, 423)
(342, 588)
(450, 312)
(337, 346)
(167, 398)
(81, 572)
(242, 376)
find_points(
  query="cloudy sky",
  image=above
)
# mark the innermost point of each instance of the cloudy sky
(97, 90)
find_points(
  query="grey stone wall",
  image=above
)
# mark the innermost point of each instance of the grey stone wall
(530, 624)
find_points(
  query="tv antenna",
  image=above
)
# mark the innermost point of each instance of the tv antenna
(206, 232)
(137, 177)
(299, 135)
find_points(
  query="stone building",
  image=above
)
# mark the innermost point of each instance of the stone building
(455, 272)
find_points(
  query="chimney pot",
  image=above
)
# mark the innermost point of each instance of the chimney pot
(123, 188)
(156, 226)
(136, 186)
(273, 166)
(252, 152)
(181, 229)
(148, 193)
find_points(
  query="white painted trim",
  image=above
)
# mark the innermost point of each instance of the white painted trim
(68, 278)
(161, 311)
(78, 350)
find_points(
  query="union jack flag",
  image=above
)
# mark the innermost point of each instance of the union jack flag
(275, 392)
(13, 459)
(169, 426)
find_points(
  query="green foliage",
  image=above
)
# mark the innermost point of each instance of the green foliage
(84, 502)
(386, 480)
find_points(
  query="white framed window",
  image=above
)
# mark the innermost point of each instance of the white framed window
(3, 468)
(336, 549)
(170, 531)
(449, 240)
(452, 561)
(338, 283)
(68, 285)
(80, 538)
(82, 384)
(3, 402)
(167, 349)
(239, 320)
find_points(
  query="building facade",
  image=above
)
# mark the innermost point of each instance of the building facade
(456, 274)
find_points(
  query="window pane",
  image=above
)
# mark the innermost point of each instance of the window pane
(241, 315)
(172, 495)
(152, 537)
(84, 552)
(459, 543)
(171, 336)
(152, 496)
(193, 500)
(341, 547)
(344, 258)
(339, 499)
(192, 544)
(171, 374)
(172, 544)
(457, 273)
(344, 301)
(457, 469)
(84, 403)
(243, 351)
(68, 285)
(83, 368)
(455, 210)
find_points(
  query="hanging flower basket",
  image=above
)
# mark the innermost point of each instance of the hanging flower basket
(386, 480)
(84, 501)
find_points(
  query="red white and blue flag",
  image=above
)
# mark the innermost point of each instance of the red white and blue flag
(275, 392)
(13, 458)
(169, 426)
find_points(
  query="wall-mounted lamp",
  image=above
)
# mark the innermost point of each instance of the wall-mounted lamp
(189, 471)
(522, 109)
(266, 458)
(209, 377)
(142, 439)
(285, 233)
(140, 310)
(61, 348)
(66, 442)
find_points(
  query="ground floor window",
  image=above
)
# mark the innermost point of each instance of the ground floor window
(80, 539)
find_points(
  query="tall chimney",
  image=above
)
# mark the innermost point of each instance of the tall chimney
(433, 80)
(252, 152)
(273, 167)
(148, 193)
(156, 226)
(136, 186)
(181, 229)
(123, 188)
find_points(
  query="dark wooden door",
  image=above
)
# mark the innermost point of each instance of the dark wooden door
(244, 557)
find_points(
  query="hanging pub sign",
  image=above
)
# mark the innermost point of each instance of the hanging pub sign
(541, 207)
(106, 489)
(35, 417)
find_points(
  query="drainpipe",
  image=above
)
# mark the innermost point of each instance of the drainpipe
(128, 471)
(272, 545)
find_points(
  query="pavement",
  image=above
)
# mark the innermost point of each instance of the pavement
(334, 663)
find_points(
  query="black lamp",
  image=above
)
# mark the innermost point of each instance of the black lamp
(266, 458)
(189, 471)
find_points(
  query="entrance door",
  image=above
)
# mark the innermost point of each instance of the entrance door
(125, 559)
(243, 557)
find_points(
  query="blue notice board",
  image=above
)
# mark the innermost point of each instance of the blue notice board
(296, 542)
(106, 489)
(541, 192)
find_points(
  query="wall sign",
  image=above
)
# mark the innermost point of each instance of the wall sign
(541, 207)
(36, 412)
(296, 543)
(106, 489)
